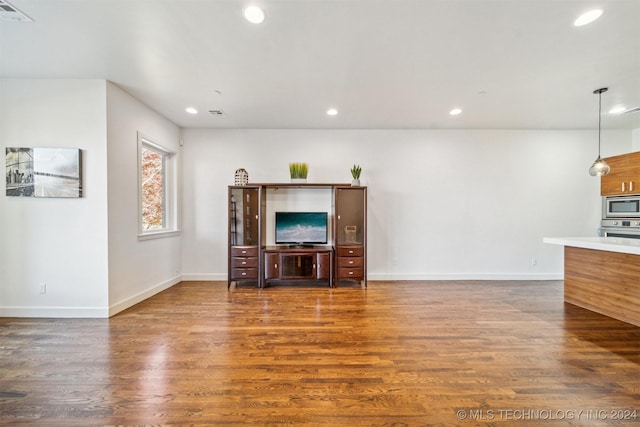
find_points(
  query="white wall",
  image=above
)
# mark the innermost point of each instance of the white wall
(443, 204)
(137, 269)
(86, 250)
(60, 242)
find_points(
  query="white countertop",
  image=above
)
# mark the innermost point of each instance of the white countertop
(610, 244)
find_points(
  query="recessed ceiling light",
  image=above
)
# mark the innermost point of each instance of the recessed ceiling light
(618, 109)
(332, 112)
(191, 110)
(254, 14)
(455, 111)
(587, 18)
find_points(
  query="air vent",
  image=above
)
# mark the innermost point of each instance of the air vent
(216, 112)
(9, 13)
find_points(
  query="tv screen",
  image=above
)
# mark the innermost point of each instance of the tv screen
(301, 228)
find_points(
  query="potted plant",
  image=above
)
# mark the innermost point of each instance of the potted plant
(355, 173)
(298, 172)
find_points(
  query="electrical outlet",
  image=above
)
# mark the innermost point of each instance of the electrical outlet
(43, 288)
(534, 261)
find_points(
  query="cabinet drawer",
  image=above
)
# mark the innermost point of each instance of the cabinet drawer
(351, 273)
(350, 262)
(244, 273)
(344, 251)
(239, 262)
(244, 251)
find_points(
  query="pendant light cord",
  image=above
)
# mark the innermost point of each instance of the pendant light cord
(599, 119)
(599, 92)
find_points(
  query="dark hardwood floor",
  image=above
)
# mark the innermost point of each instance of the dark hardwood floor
(396, 353)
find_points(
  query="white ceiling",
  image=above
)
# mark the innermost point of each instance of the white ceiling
(384, 64)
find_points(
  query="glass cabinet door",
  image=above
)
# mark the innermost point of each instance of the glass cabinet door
(244, 216)
(350, 216)
(350, 234)
(244, 234)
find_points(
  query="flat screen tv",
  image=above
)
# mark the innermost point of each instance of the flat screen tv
(301, 228)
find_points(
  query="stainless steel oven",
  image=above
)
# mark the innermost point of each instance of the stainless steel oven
(621, 207)
(624, 227)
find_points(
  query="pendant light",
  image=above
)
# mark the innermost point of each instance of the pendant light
(599, 167)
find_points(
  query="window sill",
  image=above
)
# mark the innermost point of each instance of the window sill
(158, 234)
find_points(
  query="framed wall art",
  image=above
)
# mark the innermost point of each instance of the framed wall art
(43, 172)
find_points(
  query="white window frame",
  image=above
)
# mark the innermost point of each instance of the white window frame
(170, 205)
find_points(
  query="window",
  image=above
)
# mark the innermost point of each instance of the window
(156, 188)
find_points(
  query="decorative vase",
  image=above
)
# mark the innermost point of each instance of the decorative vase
(355, 182)
(242, 177)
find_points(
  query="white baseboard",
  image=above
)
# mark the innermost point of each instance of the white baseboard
(141, 296)
(204, 277)
(467, 276)
(215, 277)
(55, 312)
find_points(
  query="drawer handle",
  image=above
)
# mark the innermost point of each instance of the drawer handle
(350, 252)
(623, 186)
(630, 185)
(351, 273)
(244, 252)
(244, 274)
(244, 262)
(350, 262)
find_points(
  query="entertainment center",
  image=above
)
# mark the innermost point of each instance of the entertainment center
(275, 238)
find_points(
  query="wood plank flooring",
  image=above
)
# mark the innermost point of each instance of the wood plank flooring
(396, 353)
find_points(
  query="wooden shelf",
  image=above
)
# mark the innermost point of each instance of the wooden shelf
(298, 184)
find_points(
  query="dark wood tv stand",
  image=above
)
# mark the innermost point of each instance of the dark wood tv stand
(298, 263)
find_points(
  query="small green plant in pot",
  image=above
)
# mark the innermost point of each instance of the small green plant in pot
(355, 173)
(298, 172)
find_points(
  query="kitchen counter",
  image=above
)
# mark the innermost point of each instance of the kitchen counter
(602, 274)
(611, 244)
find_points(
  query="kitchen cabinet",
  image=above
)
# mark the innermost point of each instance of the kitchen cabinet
(624, 177)
(602, 274)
